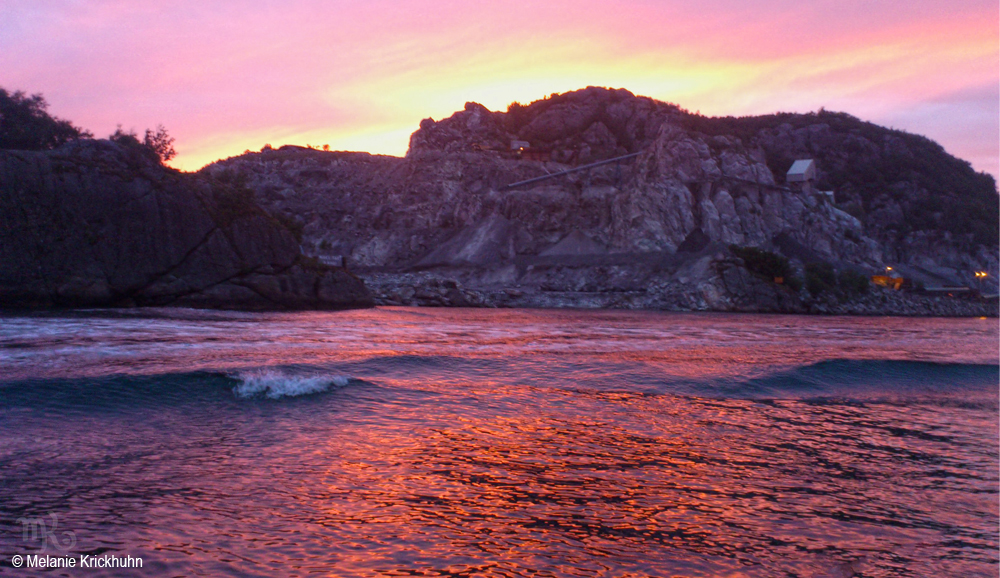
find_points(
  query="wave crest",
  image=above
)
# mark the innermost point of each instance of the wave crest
(875, 378)
(275, 384)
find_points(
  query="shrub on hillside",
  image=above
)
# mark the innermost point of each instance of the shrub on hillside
(820, 277)
(156, 146)
(763, 263)
(853, 283)
(25, 124)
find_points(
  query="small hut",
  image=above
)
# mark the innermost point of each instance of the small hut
(802, 171)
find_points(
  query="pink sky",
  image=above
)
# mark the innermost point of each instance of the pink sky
(228, 76)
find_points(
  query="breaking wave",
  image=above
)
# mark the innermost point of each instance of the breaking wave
(275, 384)
(873, 378)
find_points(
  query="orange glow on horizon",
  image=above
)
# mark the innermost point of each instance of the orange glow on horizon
(361, 77)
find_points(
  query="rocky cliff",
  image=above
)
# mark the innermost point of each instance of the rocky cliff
(93, 223)
(661, 229)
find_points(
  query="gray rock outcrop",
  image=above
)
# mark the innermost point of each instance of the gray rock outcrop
(650, 231)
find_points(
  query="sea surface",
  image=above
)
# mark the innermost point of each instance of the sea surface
(451, 442)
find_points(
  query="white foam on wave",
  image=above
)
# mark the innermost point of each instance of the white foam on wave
(274, 384)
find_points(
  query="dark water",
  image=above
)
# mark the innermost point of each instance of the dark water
(417, 442)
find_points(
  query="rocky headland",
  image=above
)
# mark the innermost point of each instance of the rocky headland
(94, 223)
(697, 216)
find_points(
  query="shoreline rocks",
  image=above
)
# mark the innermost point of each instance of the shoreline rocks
(427, 289)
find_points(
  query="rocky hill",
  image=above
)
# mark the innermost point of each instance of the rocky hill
(95, 223)
(666, 228)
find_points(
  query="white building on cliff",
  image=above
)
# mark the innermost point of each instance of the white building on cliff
(802, 171)
(803, 174)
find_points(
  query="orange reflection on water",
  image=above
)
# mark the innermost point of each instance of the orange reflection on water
(476, 443)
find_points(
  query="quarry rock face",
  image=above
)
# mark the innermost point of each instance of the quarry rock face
(653, 230)
(93, 224)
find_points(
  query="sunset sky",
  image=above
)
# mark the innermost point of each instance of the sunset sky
(228, 76)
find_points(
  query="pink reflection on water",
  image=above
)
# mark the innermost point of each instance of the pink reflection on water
(503, 443)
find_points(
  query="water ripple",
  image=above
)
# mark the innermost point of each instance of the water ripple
(613, 458)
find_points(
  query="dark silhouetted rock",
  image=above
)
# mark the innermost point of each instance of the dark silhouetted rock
(90, 224)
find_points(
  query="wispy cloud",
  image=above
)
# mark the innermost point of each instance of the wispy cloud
(227, 76)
